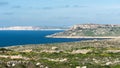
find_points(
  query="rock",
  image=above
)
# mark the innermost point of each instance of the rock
(108, 63)
(113, 51)
(78, 67)
(84, 67)
(63, 60)
(27, 50)
(41, 66)
(37, 64)
(58, 60)
(82, 51)
(13, 64)
(46, 67)
(54, 48)
(8, 64)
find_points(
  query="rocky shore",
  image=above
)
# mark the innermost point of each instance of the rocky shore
(83, 37)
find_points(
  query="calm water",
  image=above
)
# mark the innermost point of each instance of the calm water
(9, 38)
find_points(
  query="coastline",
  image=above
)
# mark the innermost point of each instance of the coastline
(83, 37)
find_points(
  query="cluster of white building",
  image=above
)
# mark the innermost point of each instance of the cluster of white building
(28, 28)
(20, 28)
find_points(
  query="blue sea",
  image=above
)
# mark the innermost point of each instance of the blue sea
(10, 38)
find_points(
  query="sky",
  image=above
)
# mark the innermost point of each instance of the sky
(58, 12)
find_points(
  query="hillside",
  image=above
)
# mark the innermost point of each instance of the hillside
(89, 31)
(85, 54)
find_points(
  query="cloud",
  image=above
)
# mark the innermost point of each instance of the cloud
(64, 17)
(17, 6)
(67, 6)
(77, 6)
(3, 3)
(64, 6)
(74, 6)
(8, 13)
(47, 8)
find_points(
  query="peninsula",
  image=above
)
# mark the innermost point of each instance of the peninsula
(90, 31)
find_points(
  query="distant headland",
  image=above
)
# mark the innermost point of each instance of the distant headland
(90, 31)
(32, 28)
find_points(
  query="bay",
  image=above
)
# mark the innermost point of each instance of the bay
(10, 38)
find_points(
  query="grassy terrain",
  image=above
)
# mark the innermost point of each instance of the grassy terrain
(89, 54)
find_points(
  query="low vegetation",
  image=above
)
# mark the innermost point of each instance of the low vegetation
(85, 54)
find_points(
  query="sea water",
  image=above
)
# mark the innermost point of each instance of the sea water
(10, 38)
